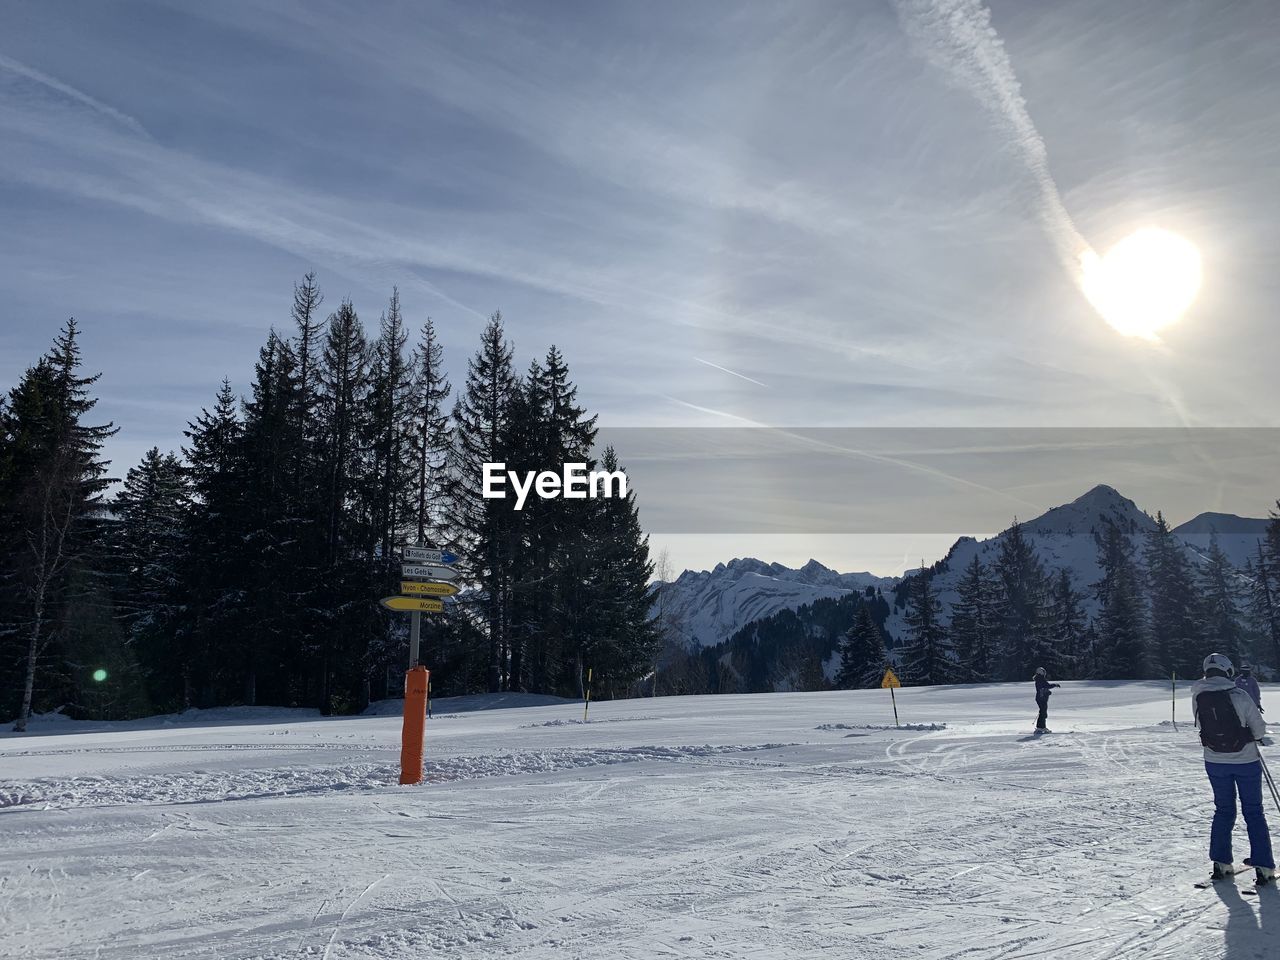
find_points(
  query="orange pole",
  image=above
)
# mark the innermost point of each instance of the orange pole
(415, 724)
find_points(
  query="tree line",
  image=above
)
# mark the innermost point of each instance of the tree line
(245, 567)
(1155, 611)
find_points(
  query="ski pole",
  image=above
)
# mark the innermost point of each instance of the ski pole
(1270, 783)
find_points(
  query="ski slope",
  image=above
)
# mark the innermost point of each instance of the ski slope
(767, 826)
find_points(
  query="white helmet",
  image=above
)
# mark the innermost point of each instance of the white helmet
(1216, 661)
(1040, 671)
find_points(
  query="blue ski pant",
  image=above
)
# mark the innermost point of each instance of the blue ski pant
(1228, 779)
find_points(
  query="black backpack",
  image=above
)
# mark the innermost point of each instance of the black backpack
(1220, 727)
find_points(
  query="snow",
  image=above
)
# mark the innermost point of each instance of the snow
(709, 606)
(736, 826)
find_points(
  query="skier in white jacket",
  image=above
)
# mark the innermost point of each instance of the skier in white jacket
(1230, 728)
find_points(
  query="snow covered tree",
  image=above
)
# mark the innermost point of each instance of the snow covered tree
(862, 655)
(975, 622)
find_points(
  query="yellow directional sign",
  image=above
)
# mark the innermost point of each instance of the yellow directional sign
(890, 679)
(413, 604)
(414, 587)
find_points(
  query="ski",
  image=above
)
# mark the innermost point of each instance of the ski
(1206, 884)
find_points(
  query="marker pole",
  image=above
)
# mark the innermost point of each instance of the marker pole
(895, 707)
(1173, 698)
(415, 628)
(586, 702)
(413, 731)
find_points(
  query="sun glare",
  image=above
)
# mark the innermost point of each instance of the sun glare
(1144, 283)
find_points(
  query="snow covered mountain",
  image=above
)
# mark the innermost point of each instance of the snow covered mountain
(1065, 537)
(1237, 537)
(709, 606)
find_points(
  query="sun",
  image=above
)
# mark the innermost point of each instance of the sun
(1144, 283)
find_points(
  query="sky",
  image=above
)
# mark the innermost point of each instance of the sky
(724, 214)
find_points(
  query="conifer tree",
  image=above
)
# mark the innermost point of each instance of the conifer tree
(618, 638)
(151, 510)
(54, 527)
(1175, 629)
(1068, 626)
(212, 570)
(391, 418)
(862, 655)
(1023, 640)
(273, 575)
(1219, 591)
(975, 622)
(927, 658)
(481, 435)
(431, 438)
(1120, 624)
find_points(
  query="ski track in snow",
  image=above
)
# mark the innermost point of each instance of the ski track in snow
(708, 827)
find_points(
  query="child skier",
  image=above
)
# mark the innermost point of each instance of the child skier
(1249, 685)
(1230, 724)
(1044, 690)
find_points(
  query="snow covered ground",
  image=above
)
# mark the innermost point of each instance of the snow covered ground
(779, 825)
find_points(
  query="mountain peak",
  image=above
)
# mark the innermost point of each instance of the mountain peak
(1102, 504)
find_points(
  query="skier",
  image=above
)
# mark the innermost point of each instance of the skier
(1249, 685)
(1043, 691)
(1229, 725)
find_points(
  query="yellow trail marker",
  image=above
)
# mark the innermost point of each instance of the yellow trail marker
(413, 604)
(417, 588)
(891, 681)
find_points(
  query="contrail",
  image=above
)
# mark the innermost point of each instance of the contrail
(956, 36)
(52, 83)
(731, 373)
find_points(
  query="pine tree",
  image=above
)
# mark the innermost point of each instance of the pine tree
(928, 658)
(618, 638)
(1175, 628)
(391, 418)
(1223, 629)
(1068, 629)
(975, 621)
(213, 568)
(275, 569)
(56, 478)
(1121, 634)
(151, 510)
(1264, 593)
(862, 655)
(1023, 642)
(345, 620)
(431, 437)
(481, 434)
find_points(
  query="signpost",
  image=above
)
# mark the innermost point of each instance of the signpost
(423, 569)
(421, 589)
(413, 604)
(428, 572)
(891, 682)
(427, 555)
